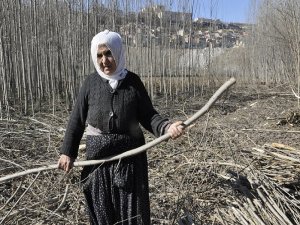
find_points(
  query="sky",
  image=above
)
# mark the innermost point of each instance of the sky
(225, 10)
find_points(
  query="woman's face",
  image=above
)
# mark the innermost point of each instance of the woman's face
(106, 60)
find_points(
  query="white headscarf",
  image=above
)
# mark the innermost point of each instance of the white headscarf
(113, 41)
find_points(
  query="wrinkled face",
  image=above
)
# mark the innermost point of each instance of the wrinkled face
(106, 60)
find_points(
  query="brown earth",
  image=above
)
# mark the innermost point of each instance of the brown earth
(221, 165)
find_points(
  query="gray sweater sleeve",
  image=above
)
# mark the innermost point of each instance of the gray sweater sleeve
(76, 123)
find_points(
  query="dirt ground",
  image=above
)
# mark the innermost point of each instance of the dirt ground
(204, 177)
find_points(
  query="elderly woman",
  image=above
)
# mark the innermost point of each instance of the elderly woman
(113, 102)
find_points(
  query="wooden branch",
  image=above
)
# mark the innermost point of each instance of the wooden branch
(297, 96)
(135, 151)
(278, 155)
(7, 214)
(269, 130)
(12, 196)
(63, 200)
(273, 207)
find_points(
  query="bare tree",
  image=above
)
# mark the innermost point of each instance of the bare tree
(45, 47)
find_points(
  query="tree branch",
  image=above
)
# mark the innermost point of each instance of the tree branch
(135, 151)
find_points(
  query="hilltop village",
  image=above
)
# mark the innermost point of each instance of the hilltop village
(156, 26)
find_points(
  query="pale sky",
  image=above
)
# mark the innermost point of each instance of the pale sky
(225, 10)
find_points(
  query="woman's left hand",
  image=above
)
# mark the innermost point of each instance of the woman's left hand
(176, 129)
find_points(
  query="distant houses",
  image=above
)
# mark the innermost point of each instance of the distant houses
(156, 26)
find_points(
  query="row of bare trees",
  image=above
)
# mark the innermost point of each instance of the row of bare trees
(277, 41)
(44, 49)
(272, 52)
(42, 53)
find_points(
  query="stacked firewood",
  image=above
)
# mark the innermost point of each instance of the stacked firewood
(270, 193)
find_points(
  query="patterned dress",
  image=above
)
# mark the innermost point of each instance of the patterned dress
(116, 192)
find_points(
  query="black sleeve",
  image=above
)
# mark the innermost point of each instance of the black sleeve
(76, 123)
(149, 118)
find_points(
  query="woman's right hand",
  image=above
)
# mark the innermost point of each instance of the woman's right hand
(176, 129)
(65, 163)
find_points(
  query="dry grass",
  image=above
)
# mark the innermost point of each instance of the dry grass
(223, 171)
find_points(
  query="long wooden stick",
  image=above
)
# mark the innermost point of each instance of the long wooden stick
(135, 151)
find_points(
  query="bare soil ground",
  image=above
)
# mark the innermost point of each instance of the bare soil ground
(239, 164)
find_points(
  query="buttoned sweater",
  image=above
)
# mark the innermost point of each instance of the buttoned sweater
(112, 111)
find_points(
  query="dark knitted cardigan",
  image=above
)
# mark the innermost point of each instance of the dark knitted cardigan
(116, 111)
